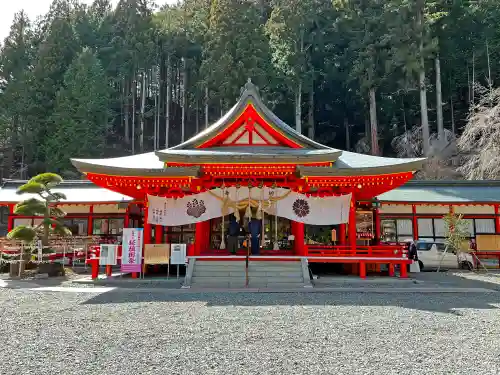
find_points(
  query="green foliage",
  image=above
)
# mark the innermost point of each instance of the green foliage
(45, 206)
(71, 83)
(23, 233)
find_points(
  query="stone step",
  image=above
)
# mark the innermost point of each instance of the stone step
(288, 285)
(220, 263)
(275, 274)
(218, 268)
(222, 279)
(277, 279)
(212, 273)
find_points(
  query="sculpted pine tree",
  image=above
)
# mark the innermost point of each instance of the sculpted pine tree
(43, 204)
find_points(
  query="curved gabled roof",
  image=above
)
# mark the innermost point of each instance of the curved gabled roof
(249, 95)
(222, 143)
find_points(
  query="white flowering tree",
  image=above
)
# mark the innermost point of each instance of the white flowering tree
(480, 140)
(442, 160)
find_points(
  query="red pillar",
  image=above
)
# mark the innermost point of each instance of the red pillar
(341, 234)
(158, 234)
(414, 222)
(362, 270)
(298, 231)
(90, 224)
(497, 219)
(10, 220)
(199, 238)
(126, 221)
(352, 224)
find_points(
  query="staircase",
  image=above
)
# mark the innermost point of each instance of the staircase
(261, 274)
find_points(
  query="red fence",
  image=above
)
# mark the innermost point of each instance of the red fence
(381, 251)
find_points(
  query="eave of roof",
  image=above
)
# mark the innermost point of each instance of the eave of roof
(76, 191)
(147, 165)
(248, 155)
(352, 164)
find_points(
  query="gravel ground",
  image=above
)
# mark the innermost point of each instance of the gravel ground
(126, 332)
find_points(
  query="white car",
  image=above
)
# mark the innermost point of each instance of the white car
(431, 254)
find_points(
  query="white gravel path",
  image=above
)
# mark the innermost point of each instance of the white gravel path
(127, 332)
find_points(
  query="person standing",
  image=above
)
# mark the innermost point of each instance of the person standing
(254, 228)
(232, 235)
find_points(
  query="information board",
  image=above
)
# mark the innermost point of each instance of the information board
(178, 253)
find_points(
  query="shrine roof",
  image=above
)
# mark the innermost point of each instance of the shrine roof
(444, 192)
(248, 133)
(77, 191)
(353, 164)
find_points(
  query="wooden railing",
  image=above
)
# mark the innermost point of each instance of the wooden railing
(381, 251)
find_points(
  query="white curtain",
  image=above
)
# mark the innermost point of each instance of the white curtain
(405, 227)
(425, 228)
(440, 227)
(485, 225)
(314, 210)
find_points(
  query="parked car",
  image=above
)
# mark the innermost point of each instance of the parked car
(431, 253)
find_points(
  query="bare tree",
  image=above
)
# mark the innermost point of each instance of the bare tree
(442, 160)
(480, 140)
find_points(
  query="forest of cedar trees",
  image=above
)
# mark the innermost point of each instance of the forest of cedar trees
(399, 78)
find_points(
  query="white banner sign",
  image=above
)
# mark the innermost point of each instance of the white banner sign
(188, 210)
(108, 255)
(315, 210)
(133, 239)
(208, 205)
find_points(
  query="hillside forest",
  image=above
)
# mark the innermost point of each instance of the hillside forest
(399, 78)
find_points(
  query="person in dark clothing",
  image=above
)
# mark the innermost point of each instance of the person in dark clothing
(233, 233)
(412, 251)
(254, 228)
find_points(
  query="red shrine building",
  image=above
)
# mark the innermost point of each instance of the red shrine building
(250, 146)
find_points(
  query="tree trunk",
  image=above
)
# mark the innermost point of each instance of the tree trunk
(298, 108)
(423, 91)
(373, 122)
(439, 101)
(347, 134)
(310, 115)
(490, 82)
(143, 105)
(134, 89)
(125, 101)
(197, 114)
(206, 107)
(183, 100)
(167, 104)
